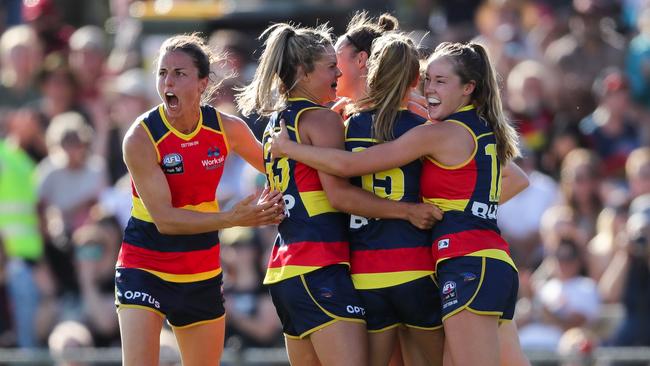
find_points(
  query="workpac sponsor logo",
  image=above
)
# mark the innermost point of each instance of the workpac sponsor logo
(172, 163)
(140, 297)
(214, 160)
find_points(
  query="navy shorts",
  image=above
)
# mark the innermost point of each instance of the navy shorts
(414, 304)
(481, 285)
(183, 303)
(314, 300)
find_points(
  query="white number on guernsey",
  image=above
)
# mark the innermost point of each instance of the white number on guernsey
(485, 211)
(289, 202)
(356, 222)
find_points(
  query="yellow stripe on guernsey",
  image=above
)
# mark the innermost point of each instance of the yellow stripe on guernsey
(297, 118)
(448, 205)
(139, 211)
(316, 203)
(277, 274)
(471, 157)
(366, 281)
(192, 277)
(490, 253)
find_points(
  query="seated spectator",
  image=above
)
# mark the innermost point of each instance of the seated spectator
(580, 182)
(610, 130)
(565, 301)
(251, 319)
(528, 96)
(627, 279)
(602, 247)
(95, 252)
(520, 217)
(71, 179)
(20, 56)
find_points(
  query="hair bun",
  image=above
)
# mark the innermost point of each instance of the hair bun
(387, 22)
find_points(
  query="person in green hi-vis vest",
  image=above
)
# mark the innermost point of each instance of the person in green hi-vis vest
(21, 238)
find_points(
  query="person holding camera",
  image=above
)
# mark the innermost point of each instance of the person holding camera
(627, 280)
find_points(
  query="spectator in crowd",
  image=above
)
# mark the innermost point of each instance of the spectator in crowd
(602, 247)
(127, 96)
(637, 171)
(70, 164)
(610, 130)
(59, 94)
(44, 18)
(566, 300)
(20, 56)
(580, 182)
(252, 320)
(589, 47)
(637, 63)
(21, 239)
(87, 58)
(520, 217)
(627, 279)
(95, 252)
(529, 101)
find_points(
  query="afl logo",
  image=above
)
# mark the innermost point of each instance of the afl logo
(448, 287)
(172, 163)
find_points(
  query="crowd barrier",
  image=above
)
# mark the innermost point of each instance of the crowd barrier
(609, 356)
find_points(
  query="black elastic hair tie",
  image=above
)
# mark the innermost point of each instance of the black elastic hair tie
(355, 44)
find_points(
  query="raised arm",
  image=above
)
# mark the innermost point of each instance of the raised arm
(410, 146)
(242, 141)
(141, 160)
(324, 128)
(514, 180)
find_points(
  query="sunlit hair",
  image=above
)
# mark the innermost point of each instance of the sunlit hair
(636, 160)
(471, 63)
(194, 45)
(289, 53)
(362, 29)
(393, 67)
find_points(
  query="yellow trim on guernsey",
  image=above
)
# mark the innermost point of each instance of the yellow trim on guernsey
(451, 167)
(139, 211)
(186, 137)
(223, 131)
(155, 144)
(368, 281)
(316, 203)
(447, 205)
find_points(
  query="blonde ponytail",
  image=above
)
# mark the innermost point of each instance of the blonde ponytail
(287, 50)
(393, 67)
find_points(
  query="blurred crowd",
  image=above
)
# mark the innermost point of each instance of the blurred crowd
(576, 82)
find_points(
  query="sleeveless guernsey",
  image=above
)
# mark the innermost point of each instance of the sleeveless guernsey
(313, 234)
(469, 196)
(193, 165)
(387, 252)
